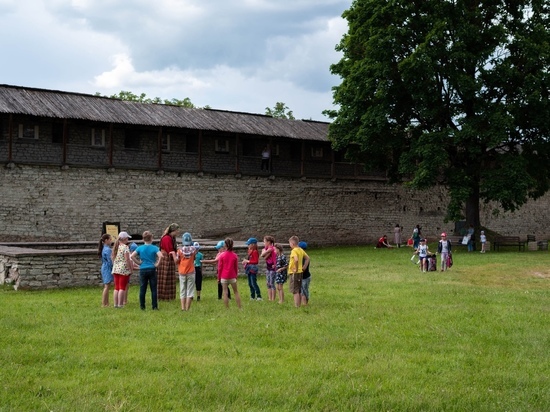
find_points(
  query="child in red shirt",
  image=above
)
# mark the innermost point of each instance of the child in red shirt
(251, 268)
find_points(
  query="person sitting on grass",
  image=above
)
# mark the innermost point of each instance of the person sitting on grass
(383, 243)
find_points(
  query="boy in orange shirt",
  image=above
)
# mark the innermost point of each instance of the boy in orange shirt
(185, 259)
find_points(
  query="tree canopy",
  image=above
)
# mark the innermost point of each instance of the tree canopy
(452, 92)
(280, 111)
(142, 98)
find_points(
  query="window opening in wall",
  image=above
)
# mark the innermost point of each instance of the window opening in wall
(317, 152)
(295, 151)
(27, 131)
(57, 133)
(222, 146)
(165, 143)
(131, 142)
(275, 150)
(98, 137)
(250, 149)
(191, 144)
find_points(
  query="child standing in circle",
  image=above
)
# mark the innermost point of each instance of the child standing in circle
(198, 270)
(228, 269)
(122, 268)
(104, 252)
(185, 259)
(306, 277)
(298, 258)
(251, 268)
(281, 272)
(220, 247)
(269, 253)
(147, 257)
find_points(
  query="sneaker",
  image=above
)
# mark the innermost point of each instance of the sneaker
(259, 299)
(252, 298)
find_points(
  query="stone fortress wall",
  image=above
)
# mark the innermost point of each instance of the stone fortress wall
(50, 204)
(43, 203)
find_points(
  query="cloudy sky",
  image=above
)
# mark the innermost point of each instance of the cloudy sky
(240, 55)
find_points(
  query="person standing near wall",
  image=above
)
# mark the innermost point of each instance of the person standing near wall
(471, 240)
(416, 237)
(166, 270)
(104, 252)
(266, 155)
(397, 235)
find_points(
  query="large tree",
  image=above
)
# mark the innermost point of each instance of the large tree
(452, 92)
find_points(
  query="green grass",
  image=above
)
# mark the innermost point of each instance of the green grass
(377, 336)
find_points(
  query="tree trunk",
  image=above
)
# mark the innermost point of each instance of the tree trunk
(472, 209)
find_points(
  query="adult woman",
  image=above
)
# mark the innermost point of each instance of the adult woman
(397, 235)
(166, 271)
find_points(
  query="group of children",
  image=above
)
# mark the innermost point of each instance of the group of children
(444, 248)
(119, 262)
(277, 270)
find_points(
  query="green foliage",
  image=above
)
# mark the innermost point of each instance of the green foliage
(453, 93)
(280, 111)
(142, 98)
(378, 336)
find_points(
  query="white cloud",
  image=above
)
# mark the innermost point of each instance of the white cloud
(240, 55)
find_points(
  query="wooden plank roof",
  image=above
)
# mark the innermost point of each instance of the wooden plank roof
(68, 105)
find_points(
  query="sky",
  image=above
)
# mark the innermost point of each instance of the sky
(238, 55)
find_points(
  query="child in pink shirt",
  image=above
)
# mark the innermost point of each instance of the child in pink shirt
(228, 268)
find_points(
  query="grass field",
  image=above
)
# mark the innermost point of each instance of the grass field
(378, 335)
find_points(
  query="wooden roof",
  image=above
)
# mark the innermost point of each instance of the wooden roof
(67, 105)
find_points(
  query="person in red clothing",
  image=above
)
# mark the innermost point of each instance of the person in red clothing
(251, 268)
(166, 271)
(383, 243)
(228, 268)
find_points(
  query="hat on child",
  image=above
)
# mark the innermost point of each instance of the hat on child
(124, 235)
(251, 241)
(220, 244)
(444, 234)
(186, 239)
(196, 245)
(302, 244)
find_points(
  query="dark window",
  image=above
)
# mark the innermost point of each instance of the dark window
(249, 148)
(57, 133)
(296, 151)
(191, 144)
(131, 141)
